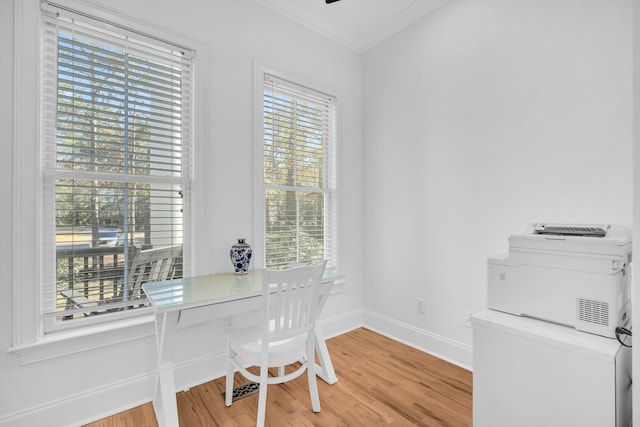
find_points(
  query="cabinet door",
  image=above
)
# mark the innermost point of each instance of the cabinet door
(524, 382)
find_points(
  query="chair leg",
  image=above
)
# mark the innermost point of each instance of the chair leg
(228, 396)
(311, 374)
(262, 395)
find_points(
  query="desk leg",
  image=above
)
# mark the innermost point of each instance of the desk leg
(164, 401)
(325, 369)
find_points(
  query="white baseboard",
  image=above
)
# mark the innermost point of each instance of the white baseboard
(444, 348)
(86, 406)
(110, 399)
(342, 324)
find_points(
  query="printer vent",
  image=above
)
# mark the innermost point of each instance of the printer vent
(593, 311)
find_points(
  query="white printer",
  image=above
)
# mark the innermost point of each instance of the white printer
(576, 275)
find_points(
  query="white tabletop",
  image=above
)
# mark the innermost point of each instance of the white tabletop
(189, 292)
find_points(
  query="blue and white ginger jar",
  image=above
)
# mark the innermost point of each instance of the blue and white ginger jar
(241, 256)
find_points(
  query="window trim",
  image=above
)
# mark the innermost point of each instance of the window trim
(260, 69)
(29, 341)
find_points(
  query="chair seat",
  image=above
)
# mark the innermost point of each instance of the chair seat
(247, 343)
(76, 298)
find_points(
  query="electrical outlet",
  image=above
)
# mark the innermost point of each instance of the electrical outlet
(419, 305)
(466, 319)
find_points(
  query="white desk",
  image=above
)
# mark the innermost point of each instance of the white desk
(191, 300)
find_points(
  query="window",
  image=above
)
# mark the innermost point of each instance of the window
(115, 138)
(299, 185)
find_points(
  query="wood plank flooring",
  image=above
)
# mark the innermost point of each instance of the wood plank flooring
(380, 383)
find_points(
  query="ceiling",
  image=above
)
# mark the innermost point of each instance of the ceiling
(358, 24)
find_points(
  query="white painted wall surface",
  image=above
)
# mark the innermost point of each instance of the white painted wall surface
(91, 384)
(481, 118)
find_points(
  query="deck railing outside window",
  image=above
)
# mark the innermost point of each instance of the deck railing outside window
(92, 281)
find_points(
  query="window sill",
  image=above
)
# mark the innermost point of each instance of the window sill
(89, 338)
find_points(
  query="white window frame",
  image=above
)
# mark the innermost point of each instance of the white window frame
(30, 341)
(260, 70)
(93, 30)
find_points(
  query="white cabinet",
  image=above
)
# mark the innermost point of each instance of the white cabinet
(528, 372)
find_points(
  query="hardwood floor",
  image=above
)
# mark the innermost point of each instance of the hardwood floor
(380, 383)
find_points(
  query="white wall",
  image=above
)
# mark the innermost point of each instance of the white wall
(481, 118)
(92, 384)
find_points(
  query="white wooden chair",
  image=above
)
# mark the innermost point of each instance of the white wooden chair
(284, 336)
(152, 265)
(149, 265)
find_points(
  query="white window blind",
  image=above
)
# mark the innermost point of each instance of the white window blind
(299, 132)
(116, 138)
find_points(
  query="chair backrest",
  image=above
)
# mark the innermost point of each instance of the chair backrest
(152, 265)
(291, 298)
